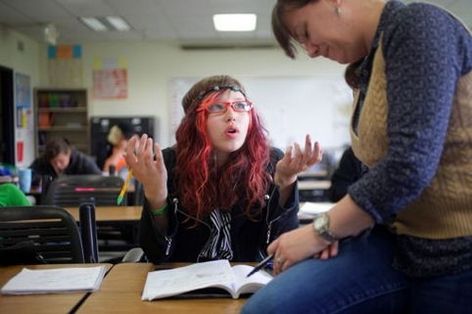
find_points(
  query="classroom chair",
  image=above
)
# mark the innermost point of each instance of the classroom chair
(39, 234)
(73, 190)
(114, 238)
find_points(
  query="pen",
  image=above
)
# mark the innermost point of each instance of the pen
(124, 188)
(261, 264)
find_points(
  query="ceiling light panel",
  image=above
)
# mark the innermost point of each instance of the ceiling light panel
(118, 23)
(94, 24)
(235, 22)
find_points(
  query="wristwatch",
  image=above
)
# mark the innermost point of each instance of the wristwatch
(321, 226)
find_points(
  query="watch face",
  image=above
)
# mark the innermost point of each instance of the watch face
(321, 222)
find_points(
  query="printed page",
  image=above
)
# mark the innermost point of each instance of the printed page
(55, 280)
(166, 283)
(250, 284)
(312, 209)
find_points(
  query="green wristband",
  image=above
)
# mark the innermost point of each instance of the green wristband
(160, 211)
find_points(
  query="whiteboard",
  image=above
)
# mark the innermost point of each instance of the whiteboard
(290, 108)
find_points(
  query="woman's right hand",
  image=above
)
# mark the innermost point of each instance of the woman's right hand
(150, 171)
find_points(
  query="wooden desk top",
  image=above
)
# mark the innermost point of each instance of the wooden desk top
(39, 303)
(121, 293)
(112, 213)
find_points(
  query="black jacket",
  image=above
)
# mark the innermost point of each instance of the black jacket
(349, 170)
(248, 238)
(79, 164)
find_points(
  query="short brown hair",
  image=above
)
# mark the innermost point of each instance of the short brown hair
(281, 33)
(55, 146)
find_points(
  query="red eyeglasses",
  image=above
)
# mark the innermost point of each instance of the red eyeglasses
(222, 107)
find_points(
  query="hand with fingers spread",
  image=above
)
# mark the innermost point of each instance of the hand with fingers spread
(148, 167)
(296, 161)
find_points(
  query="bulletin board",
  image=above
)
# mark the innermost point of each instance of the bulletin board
(290, 107)
(24, 127)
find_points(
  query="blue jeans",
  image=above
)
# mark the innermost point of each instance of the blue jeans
(360, 280)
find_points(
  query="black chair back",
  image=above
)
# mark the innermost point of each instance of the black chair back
(73, 190)
(50, 233)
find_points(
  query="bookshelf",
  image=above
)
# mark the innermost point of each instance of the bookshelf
(62, 112)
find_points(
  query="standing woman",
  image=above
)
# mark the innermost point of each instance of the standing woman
(221, 192)
(411, 67)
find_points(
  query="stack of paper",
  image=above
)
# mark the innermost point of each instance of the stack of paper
(73, 279)
(309, 210)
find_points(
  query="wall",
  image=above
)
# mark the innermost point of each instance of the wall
(25, 61)
(153, 68)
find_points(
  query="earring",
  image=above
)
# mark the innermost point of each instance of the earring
(337, 10)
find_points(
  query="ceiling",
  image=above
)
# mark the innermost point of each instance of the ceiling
(182, 21)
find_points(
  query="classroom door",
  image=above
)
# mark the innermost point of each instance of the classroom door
(7, 126)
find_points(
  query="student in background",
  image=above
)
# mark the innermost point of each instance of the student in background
(118, 137)
(221, 192)
(11, 195)
(349, 170)
(60, 158)
(411, 67)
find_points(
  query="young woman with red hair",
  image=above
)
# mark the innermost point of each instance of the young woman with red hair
(221, 191)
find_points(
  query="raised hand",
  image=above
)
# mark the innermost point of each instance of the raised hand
(296, 161)
(148, 168)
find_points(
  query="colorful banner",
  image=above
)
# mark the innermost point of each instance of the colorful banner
(65, 52)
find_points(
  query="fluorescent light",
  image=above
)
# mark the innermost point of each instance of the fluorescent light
(94, 24)
(234, 22)
(118, 23)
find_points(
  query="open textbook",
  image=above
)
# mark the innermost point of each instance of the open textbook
(58, 280)
(213, 274)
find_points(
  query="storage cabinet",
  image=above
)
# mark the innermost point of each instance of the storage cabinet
(62, 113)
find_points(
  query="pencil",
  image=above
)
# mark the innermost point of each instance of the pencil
(261, 264)
(124, 188)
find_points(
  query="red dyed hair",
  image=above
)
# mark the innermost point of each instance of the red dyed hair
(243, 180)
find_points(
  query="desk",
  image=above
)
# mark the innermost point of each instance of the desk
(313, 190)
(111, 213)
(115, 223)
(121, 293)
(39, 303)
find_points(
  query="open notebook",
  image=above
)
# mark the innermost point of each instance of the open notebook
(214, 274)
(40, 281)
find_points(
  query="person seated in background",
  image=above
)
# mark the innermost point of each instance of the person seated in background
(11, 195)
(61, 158)
(118, 137)
(221, 192)
(349, 170)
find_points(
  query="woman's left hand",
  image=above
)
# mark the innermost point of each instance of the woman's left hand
(297, 245)
(296, 160)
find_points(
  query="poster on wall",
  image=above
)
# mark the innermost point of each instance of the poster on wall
(65, 65)
(23, 101)
(110, 83)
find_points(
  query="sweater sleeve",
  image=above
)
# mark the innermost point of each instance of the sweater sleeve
(423, 63)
